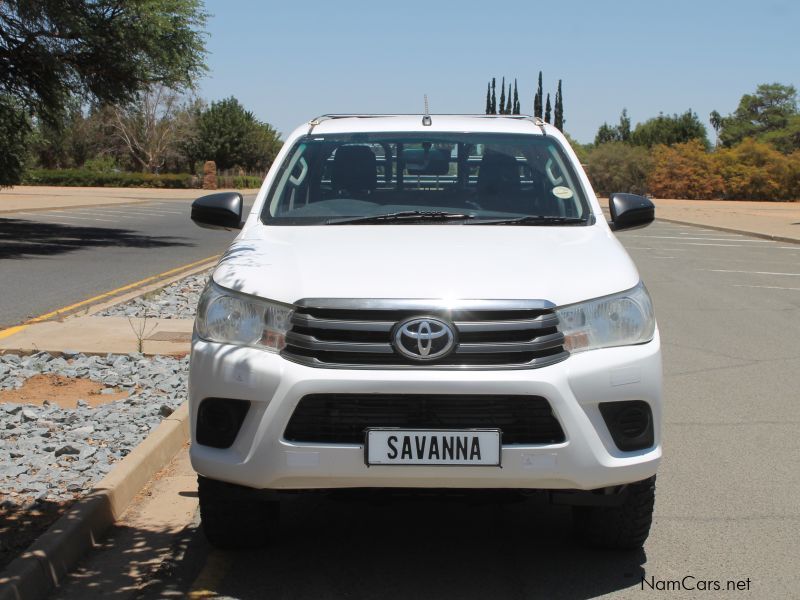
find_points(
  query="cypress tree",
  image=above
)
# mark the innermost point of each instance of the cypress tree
(547, 110)
(515, 109)
(488, 98)
(503, 97)
(537, 100)
(494, 99)
(509, 107)
(558, 114)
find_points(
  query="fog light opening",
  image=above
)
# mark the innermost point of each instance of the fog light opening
(219, 421)
(630, 423)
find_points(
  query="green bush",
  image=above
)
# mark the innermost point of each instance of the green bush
(89, 178)
(618, 167)
(104, 164)
(239, 182)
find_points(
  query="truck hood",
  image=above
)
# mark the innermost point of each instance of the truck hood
(559, 264)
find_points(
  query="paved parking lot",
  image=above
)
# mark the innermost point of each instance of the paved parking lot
(726, 509)
(53, 258)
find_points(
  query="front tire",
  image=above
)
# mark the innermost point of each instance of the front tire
(623, 527)
(235, 516)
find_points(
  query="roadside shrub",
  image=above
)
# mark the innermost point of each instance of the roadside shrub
(684, 171)
(756, 171)
(618, 167)
(239, 182)
(90, 178)
(104, 164)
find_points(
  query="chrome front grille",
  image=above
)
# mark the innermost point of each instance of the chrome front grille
(345, 333)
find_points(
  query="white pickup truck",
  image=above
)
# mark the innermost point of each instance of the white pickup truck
(426, 302)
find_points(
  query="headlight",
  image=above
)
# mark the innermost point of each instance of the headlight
(230, 318)
(617, 320)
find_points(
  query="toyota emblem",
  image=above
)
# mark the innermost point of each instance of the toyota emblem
(424, 338)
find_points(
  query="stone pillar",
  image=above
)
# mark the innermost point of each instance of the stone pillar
(209, 175)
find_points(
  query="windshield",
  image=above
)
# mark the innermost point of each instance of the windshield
(453, 178)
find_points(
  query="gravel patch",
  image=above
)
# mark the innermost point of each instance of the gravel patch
(176, 301)
(53, 454)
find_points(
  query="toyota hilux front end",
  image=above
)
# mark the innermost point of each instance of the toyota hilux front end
(415, 305)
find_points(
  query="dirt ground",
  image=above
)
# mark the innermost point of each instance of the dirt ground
(60, 390)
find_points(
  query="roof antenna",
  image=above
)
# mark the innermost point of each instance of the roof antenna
(426, 118)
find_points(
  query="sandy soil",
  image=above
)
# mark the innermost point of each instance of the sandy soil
(60, 390)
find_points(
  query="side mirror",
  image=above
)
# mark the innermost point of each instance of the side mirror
(218, 211)
(629, 210)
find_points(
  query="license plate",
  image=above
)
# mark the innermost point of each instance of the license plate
(469, 447)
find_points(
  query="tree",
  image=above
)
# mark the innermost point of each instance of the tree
(619, 133)
(69, 143)
(624, 126)
(768, 109)
(494, 99)
(581, 150)
(754, 170)
(149, 127)
(606, 134)
(516, 108)
(684, 170)
(488, 99)
(15, 130)
(509, 105)
(105, 50)
(547, 110)
(716, 122)
(537, 99)
(232, 137)
(787, 139)
(669, 130)
(558, 115)
(618, 167)
(503, 97)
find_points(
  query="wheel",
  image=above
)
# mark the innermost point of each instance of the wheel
(623, 527)
(234, 516)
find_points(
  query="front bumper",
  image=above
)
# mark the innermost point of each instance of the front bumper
(588, 459)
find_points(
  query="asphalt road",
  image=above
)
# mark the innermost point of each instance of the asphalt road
(54, 258)
(727, 495)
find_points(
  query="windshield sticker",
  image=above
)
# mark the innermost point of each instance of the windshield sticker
(562, 192)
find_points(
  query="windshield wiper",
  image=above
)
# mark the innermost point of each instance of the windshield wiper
(532, 220)
(404, 215)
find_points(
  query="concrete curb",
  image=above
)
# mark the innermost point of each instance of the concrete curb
(149, 287)
(34, 574)
(765, 236)
(92, 306)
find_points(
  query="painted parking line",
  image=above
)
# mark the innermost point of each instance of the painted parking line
(150, 208)
(108, 214)
(712, 233)
(752, 272)
(657, 249)
(213, 572)
(677, 237)
(132, 211)
(166, 212)
(721, 245)
(60, 216)
(138, 211)
(766, 287)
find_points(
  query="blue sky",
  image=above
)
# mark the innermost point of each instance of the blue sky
(290, 61)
